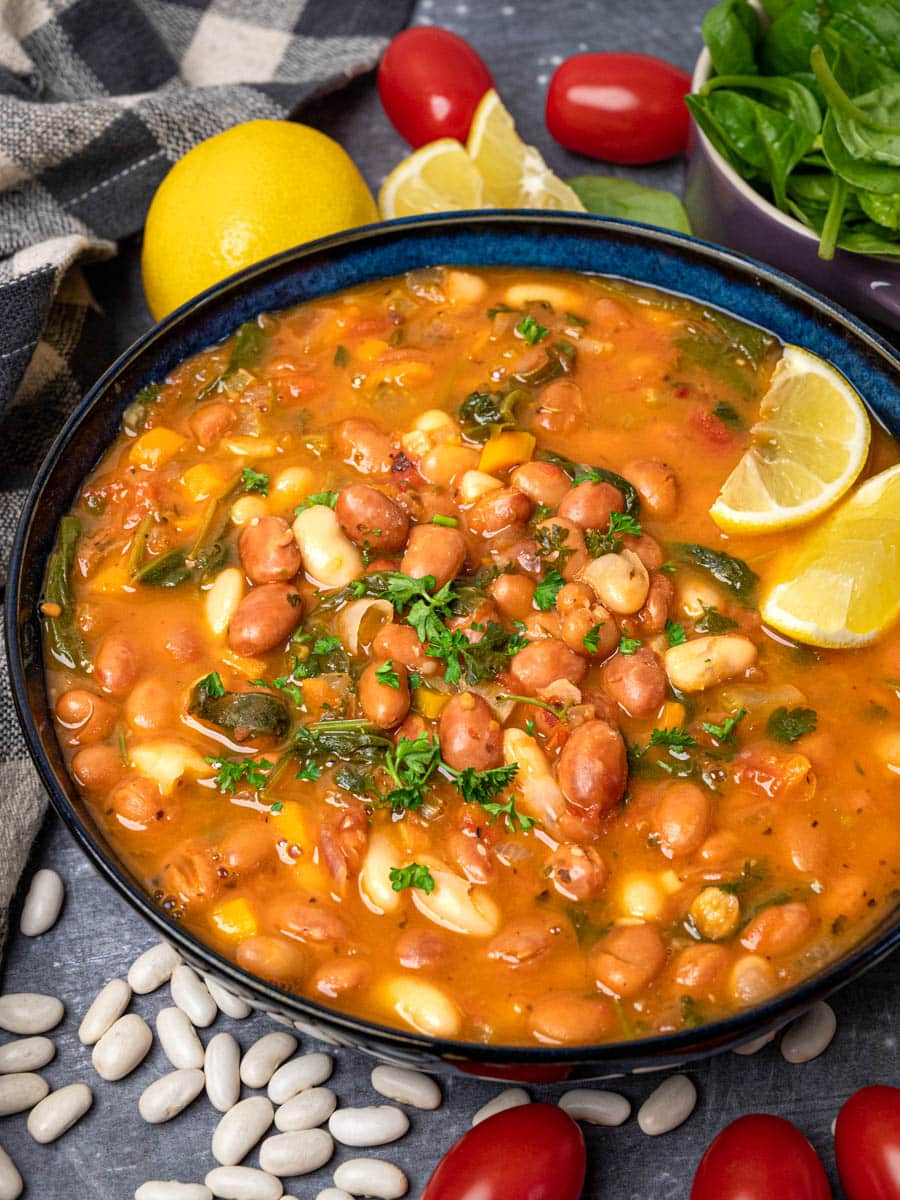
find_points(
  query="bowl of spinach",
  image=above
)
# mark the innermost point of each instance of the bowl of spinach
(795, 154)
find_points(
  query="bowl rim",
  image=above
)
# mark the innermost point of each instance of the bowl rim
(671, 1047)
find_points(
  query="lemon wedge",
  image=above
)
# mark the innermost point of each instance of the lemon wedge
(841, 586)
(436, 178)
(808, 446)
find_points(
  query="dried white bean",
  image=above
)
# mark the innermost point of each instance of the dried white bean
(122, 1047)
(595, 1106)
(11, 1184)
(757, 1044)
(231, 1005)
(20, 1092)
(299, 1074)
(244, 1183)
(296, 1153)
(152, 969)
(667, 1107)
(42, 904)
(263, 1058)
(306, 1110)
(106, 1008)
(240, 1129)
(334, 1194)
(26, 1054)
(406, 1086)
(59, 1111)
(178, 1038)
(222, 1067)
(169, 1095)
(29, 1012)
(371, 1177)
(172, 1189)
(811, 1035)
(374, 1126)
(191, 995)
(508, 1098)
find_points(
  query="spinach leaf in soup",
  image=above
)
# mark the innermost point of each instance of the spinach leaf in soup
(65, 640)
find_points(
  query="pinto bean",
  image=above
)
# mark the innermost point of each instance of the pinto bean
(653, 616)
(575, 553)
(210, 422)
(85, 717)
(97, 768)
(647, 549)
(543, 662)
(682, 819)
(361, 444)
(561, 406)
(628, 959)
(542, 483)
(265, 618)
(577, 872)
(268, 551)
(116, 665)
(151, 705)
(578, 623)
(419, 950)
(472, 857)
(368, 517)
(272, 958)
(310, 922)
(703, 662)
(382, 703)
(573, 596)
(657, 484)
(520, 943)
(565, 1018)
(593, 767)
(513, 595)
(137, 803)
(339, 976)
(636, 682)
(700, 967)
(191, 875)
(498, 510)
(780, 929)
(590, 505)
(247, 847)
(434, 550)
(401, 644)
(522, 554)
(470, 735)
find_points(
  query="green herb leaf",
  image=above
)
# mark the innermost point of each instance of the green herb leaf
(675, 634)
(480, 787)
(341, 356)
(211, 685)
(386, 675)
(531, 331)
(231, 774)
(309, 772)
(789, 724)
(610, 196)
(516, 822)
(610, 542)
(725, 731)
(413, 875)
(713, 621)
(678, 739)
(732, 572)
(327, 498)
(628, 645)
(410, 765)
(247, 347)
(255, 481)
(547, 590)
(484, 413)
(591, 640)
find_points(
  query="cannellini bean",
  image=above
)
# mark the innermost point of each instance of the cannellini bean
(329, 557)
(295, 1076)
(42, 904)
(668, 1107)
(26, 1054)
(371, 1177)
(11, 1184)
(240, 1129)
(508, 1098)
(169, 1095)
(153, 968)
(246, 509)
(230, 1004)
(406, 1086)
(166, 760)
(178, 1039)
(518, 295)
(475, 484)
(620, 581)
(423, 1006)
(191, 995)
(359, 621)
(222, 599)
(756, 1044)
(811, 1035)
(123, 1047)
(595, 1106)
(375, 877)
(306, 1110)
(108, 1005)
(334, 1194)
(542, 796)
(222, 1069)
(21, 1091)
(29, 1012)
(244, 1183)
(297, 1153)
(373, 1126)
(264, 1057)
(172, 1189)
(752, 979)
(703, 662)
(456, 904)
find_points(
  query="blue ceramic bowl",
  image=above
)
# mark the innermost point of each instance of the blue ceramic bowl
(579, 243)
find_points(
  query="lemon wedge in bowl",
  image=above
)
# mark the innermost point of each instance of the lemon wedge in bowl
(808, 446)
(841, 585)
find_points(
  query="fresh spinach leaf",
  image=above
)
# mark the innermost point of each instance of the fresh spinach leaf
(731, 31)
(609, 196)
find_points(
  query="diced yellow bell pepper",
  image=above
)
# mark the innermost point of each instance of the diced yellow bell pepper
(204, 482)
(290, 823)
(371, 349)
(673, 715)
(402, 374)
(430, 704)
(155, 447)
(506, 450)
(109, 580)
(235, 918)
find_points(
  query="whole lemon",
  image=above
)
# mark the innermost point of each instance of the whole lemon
(240, 196)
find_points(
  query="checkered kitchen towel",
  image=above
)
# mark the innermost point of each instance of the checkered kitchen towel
(97, 100)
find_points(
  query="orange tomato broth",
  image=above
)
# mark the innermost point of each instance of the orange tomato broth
(803, 834)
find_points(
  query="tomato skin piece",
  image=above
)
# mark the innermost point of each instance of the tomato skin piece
(760, 1157)
(430, 82)
(534, 1152)
(622, 108)
(867, 1144)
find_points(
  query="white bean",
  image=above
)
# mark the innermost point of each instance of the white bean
(244, 1183)
(329, 557)
(172, 1189)
(306, 1110)
(756, 1044)
(296, 1153)
(11, 1184)
(406, 1086)
(58, 1112)
(26, 1054)
(106, 1008)
(299, 1074)
(264, 1057)
(667, 1107)
(122, 1047)
(169, 1095)
(811, 1035)
(373, 1126)
(231, 1005)
(178, 1039)
(508, 1098)
(371, 1177)
(222, 1067)
(221, 601)
(240, 1129)
(595, 1106)
(191, 995)
(21, 1092)
(153, 968)
(334, 1194)
(620, 581)
(703, 662)
(29, 1012)
(42, 904)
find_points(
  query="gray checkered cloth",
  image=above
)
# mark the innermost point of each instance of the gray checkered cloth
(97, 99)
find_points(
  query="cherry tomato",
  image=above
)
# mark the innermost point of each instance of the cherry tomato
(535, 1152)
(867, 1144)
(623, 108)
(760, 1158)
(430, 82)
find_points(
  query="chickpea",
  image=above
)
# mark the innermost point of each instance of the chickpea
(210, 422)
(470, 735)
(85, 717)
(116, 665)
(420, 950)
(577, 872)
(246, 847)
(520, 943)
(715, 913)
(597, 625)
(703, 662)
(682, 819)
(513, 595)
(572, 543)
(752, 980)
(780, 929)
(541, 663)
(272, 958)
(151, 705)
(542, 483)
(699, 968)
(657, 485)
(561, 406)
(498, 510)
(628, 959)
(265, 618)
(636, 682)
(620, 581)
(98, 768)
(653, 616)
(361, 444)
(401, 644)
(370, 518)
(593, 767)
(137, 803)
(310, 922)
(590, 505)
(268, 551)
(333, 979)
(434, 550)
(382, 703)
(565, 1018)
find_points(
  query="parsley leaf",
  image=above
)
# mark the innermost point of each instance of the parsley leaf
(713, 621)
(211, 685)
(255, 481)
(547, 590)
(531, 331)
(628, 645)
(428, 609)
(610, 542)
(725, 731)
(516, 822)
(414, 875)
(675, 634)
(591, 640)
(551, 541)
(326, 645)
(230, 774)
(480, 660)
(678, 738)
(386, 675)
(309, 772)
(410, 765)
(327, 498)
(480, 787)
(789, 724)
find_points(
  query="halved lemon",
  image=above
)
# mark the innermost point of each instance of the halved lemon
(807, 448)
(436, 178)
(841, 586)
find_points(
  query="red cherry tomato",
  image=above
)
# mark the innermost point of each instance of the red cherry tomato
(623, 108)
(430, 82)
(535, 1152)
(760, 1158)
(867, 1144)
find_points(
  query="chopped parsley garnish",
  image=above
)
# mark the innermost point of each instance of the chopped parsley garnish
(516, 822)
(725, 731)
(789, 724)
(248, 770)
(591, 640)
(552, 543)
(547, 590)
(211, 685)
(480, 787)
(610, 542)
(309, 772)
(628, 645)
(531, 331)
(327, 498)
(713, 621)
(255, 481)
(529, 726)
(325, 645)
(387, 676)
(679, 739)
(413, 875)
(341, 356)
(447, 522)
(479, 660)
(428, 609)
(276, 807)
(675, 634)
(410, 765)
